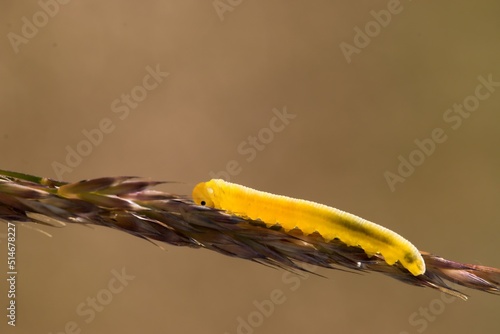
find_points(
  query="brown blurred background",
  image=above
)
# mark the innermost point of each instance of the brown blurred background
(227, 71)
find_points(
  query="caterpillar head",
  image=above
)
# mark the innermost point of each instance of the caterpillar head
(203, 194)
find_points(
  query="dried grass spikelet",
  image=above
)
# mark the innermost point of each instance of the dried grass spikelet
(129, 204)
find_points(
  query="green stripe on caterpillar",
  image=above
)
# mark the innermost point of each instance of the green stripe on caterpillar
(310, 217)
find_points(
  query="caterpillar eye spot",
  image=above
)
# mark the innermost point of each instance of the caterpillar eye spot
(410, 258)
(203, 203)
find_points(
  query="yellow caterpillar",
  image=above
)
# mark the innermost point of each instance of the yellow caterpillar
(310, 217)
